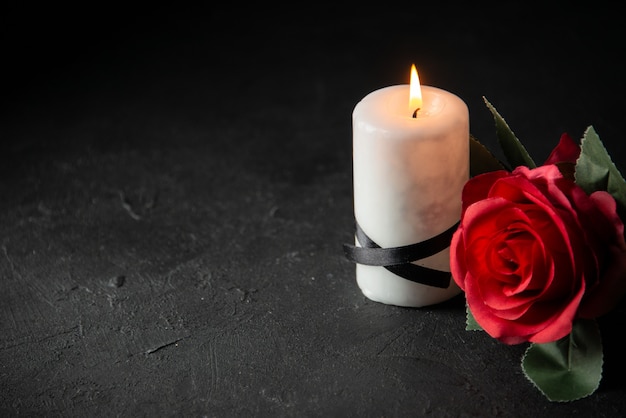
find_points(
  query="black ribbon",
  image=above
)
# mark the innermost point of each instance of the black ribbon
(398, 260)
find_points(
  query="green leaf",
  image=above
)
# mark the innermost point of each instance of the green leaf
(567, 369)
(481, 159)
(470, 321)
(595, 170)
(513, 149)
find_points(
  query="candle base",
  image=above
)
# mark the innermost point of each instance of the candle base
(381, 285)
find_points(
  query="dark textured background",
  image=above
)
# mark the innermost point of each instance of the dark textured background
(176, 186)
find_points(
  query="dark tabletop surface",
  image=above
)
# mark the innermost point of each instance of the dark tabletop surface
(176, 189)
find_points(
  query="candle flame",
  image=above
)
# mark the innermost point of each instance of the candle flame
(415, 91)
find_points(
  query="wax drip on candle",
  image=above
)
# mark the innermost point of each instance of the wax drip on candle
(415, 92)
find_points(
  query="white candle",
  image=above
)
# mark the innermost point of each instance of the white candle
(408, 176)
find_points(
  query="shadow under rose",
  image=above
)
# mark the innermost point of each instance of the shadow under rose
(614, 367)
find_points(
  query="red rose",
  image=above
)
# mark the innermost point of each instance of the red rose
(532, 249)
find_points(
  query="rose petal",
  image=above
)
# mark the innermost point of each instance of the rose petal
(541, 174)
(458, 268)
(603, 298)
(566, 151)
(562, 323)
(507, 331)
(606, 204)
(477, 188)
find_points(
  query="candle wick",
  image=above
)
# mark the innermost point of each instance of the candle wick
(415, 113)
